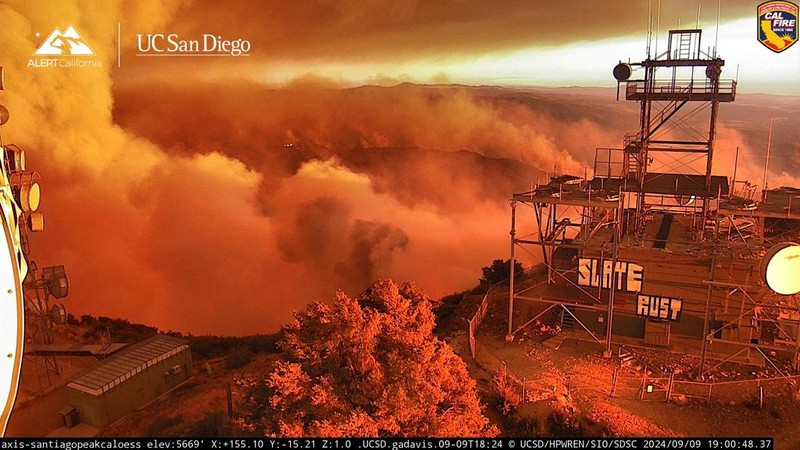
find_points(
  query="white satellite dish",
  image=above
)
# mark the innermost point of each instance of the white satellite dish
(26, 190)
(780, 268)
(685, 200)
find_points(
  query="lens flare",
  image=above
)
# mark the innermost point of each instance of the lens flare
(781, 267)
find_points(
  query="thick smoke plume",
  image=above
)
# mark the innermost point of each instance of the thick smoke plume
(218, 207)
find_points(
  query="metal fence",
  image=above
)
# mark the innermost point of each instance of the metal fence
(518, 389)
(642, 387)
(648, 388)
(475, 322)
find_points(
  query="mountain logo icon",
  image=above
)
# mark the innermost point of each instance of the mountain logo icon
(67, 43)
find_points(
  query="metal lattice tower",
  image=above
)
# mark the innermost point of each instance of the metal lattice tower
(671, 153)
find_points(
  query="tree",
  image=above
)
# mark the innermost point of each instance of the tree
(369, 366)
(500, 271)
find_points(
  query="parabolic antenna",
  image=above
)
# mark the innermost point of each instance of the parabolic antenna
(622, 71)
(58, 314)
(27, 191)
(13, 269)
(780, 268)
(685, 200)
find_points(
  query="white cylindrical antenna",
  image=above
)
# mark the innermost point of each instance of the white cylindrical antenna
(649, 25)
(766, 163)
(735, 166)
(658, 25)
(716, 33)
(697, 22)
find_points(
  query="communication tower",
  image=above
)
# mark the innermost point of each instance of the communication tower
(666, 165)
(656, 250)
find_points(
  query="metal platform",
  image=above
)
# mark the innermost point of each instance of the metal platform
(680, 91)
(782, 203)
(666, 184)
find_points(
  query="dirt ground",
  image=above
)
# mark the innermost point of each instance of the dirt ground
(569, 378)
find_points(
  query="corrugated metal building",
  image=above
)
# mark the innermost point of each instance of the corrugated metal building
(130, 379)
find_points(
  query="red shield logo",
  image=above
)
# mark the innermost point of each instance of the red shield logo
(777, 25)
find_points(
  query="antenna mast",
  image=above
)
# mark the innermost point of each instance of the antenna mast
(658, 25)
(766, 163)
(649, 26)
(716, 33)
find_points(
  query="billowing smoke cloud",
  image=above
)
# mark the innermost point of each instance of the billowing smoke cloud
(220, 207)
(373, 245)
(152, 237)
(322, 233)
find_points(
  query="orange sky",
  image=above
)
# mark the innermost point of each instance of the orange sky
(215, 195)
(464, 41)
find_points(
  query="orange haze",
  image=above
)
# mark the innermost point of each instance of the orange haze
(219, 206)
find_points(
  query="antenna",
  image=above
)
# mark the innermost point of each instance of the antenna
(649, 25)
(766, 163)
(735, 166)
(658, 25)
(716, 33)
(697, 22)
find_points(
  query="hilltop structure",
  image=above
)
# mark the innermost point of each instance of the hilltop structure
(656, 250)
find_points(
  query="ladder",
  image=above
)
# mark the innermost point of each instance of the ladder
(567, 322)
(684, 46)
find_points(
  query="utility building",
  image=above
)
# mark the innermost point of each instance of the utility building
(129, 379)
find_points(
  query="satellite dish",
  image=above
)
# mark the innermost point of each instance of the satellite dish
(713, 71)
(623, 71)
(56, 281)
(4, 115)
(685, 200)
(31, 196)
(58, 314)
(780, 268)
(27, 190)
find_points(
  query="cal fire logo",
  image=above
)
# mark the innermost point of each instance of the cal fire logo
(61, 44)
(777, 25)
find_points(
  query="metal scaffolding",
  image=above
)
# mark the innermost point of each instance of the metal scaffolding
(655, 201)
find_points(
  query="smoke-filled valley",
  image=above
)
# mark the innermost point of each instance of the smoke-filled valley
(218, 204)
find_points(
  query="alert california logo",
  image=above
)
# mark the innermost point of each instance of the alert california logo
(777, 25)
(64, 49)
